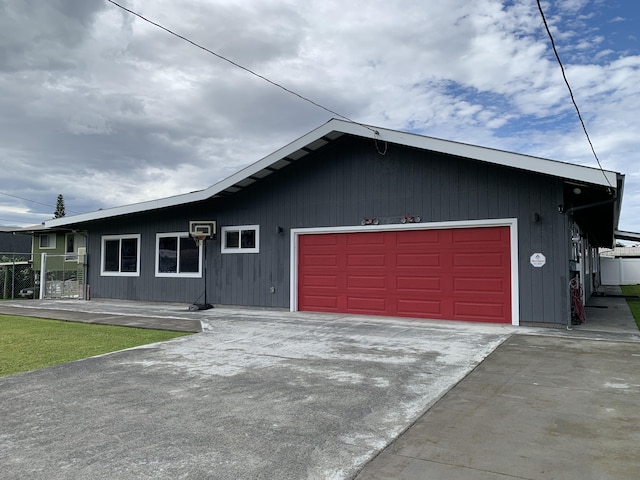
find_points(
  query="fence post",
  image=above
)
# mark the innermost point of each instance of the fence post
(43, 274)
(5, 287)
(13, 278)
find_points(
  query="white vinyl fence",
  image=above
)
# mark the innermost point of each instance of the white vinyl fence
(620, 271)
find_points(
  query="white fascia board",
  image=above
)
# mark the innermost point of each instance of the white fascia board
(500, 157)
(202, 194)
(127, 209)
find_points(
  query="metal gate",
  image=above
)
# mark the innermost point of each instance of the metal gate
(63, 276)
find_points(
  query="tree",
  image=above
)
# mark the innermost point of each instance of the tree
(59, 207)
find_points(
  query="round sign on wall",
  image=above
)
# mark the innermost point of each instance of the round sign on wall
(538, 260)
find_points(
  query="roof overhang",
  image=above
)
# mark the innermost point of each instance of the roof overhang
(335, 129)
(629, 236)
(595, 208)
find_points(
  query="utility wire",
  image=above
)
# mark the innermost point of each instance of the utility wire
(33, 201)
(262, 77)
(584, 127)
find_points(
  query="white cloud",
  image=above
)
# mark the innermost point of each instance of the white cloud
(108, 110)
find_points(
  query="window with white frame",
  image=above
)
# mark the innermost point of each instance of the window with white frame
(241, 239)
(47, 241)
(70, 247)
(120, 255)
(177, 255)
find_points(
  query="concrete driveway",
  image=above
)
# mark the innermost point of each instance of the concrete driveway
(256, 395)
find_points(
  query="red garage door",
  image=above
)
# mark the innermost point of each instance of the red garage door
(453, 274)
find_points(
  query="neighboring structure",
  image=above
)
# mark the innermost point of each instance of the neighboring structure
(55, 258)
(15, 263)
(621, 265)
(355, 219)
(11, 244)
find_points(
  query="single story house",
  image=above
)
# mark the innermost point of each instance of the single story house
(356, 219)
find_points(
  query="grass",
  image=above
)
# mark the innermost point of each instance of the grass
(30, 343)
(634, 304)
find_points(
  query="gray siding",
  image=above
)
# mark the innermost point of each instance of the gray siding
(338, 186)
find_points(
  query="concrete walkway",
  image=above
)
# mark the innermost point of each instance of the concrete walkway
(274, 394)
(162, 316)
(558, 405)
(537, 408)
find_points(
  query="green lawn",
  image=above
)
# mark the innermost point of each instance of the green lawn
(30, 343)
(634, 304)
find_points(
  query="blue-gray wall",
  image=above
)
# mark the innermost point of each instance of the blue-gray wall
(338, 186)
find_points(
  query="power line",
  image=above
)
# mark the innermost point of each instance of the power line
(32, 201)
(7, 220)
(566, 81)
(235, 64)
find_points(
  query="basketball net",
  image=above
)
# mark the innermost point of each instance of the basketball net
(199, 238)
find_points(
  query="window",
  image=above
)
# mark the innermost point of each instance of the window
(47, 240)
(177, 255)
(245, 239)
(69, 249)
(120, 255)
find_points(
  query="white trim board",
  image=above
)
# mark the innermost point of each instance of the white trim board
(512, 223)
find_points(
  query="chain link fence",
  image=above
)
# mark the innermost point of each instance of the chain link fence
(17, 278)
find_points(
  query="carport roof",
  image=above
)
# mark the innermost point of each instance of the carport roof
(630, 236)
(334, 129)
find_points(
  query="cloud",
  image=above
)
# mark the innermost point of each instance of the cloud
(107, 109)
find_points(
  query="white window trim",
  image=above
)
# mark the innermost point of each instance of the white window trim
(184, 236)
(50, 235)
(239, 228)
(105, 238)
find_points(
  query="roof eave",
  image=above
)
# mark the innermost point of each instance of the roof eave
(336, 128)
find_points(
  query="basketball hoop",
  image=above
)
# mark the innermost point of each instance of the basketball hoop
(199, 238)
(200, 230)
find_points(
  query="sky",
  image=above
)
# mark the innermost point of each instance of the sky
(107, 109)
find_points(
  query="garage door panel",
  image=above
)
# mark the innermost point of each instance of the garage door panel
(368, 239)
(418, 259)
(321, 260)
(359, 260)
(418, 237)
(373, 282)
(321, 280)
(466, 285)
(376, 306)
(458, 274)
(477, 311)
(328, 303)
(410, 285)
(478, 259)
(419, 308)
(475, 236)
(320, 240)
